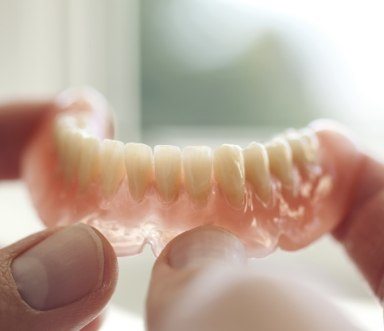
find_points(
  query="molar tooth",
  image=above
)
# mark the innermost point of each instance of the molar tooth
(257, 170)
(167, 171)
(112, 169)
(139, 167)
(197, 165)
(228, 165)
(280, 160)
(310, 143)
(89, 164)
(298, 147)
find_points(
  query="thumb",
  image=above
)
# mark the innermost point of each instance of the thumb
(58, 279)
(191, 272)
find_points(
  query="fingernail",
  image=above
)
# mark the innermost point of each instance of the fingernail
(61, 269)
(206, 245)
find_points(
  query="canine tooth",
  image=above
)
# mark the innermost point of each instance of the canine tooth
(167, 171)
(228, 165)
(112, 169)
(197, 165)
(280, 160)
(256, 164)
(139, 167)
(89, 164)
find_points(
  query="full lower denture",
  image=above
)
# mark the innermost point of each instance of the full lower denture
(286, 192)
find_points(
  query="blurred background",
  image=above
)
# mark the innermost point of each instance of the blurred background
(205, 71)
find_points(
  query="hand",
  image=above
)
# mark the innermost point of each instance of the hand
(200, 281)
(58, 279)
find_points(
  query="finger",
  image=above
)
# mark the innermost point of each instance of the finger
(17, 124)
(58, 279)
(200, 283)
(183, 277)
(361, 224)
(362, 231)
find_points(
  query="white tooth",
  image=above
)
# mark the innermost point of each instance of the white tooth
(280, 160)
(228, 165)
(257, 170)
(70, 154)
(139, 167)
(89, 165)
(112, 169)
(167, 171)
(197, 165)
(310, 143)
(298, 147)
(64, 127)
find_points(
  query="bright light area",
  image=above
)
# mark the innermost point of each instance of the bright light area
(338, 47)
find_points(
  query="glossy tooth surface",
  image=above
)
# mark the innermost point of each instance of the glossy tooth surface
(112, 168)
(228, 165)
(256, 164)
(280, 160)
(89, 165)
(167, 161)
(139, 167)
(197, 166)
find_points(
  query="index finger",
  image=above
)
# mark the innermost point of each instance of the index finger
(18, 121)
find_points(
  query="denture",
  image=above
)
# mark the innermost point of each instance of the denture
(285, 193)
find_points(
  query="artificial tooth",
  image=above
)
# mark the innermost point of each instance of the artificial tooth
(298, 147)
(310, 142)
(280, 160)
(228, 165)
(256, 164)
(89, 164)
(139, 167)
(167, 171)
(197, 165)
(112, 169)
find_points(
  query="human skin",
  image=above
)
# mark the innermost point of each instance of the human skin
(190, 264)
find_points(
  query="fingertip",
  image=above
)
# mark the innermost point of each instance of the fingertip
(62, 277)
(110, 272)
(204, 245)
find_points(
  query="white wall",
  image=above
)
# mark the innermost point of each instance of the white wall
(47, 45)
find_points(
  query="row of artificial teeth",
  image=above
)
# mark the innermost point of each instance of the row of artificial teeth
(86, 158)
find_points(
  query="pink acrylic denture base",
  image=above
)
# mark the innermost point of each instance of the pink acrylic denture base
(292, 219)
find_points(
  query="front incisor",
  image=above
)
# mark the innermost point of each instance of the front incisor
(280, 160)
(256, 164)
(228, 165)
(112, 168)
(197, 166)
(167, 171)
(139, 167)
